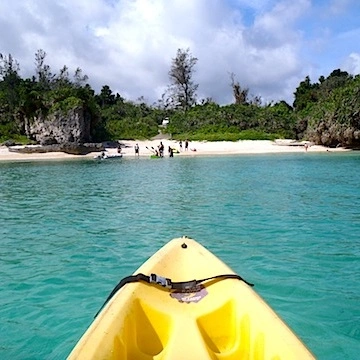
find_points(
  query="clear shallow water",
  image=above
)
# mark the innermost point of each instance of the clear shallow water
(71, 230)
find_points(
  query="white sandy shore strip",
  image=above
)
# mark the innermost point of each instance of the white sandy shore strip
(195, 148)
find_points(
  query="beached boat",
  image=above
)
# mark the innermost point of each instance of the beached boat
(171, 316)
(108, 156)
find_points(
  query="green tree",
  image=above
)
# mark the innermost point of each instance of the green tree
(335, 80)
(63, 78)
(240, 94)
(43, 71)
(9, 96)
(305, 94)
(182, 91)
(106, 97)
(79, 78)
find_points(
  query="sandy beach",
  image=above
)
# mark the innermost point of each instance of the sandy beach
(195, 148)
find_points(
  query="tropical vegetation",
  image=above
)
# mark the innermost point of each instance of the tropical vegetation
(326, 112)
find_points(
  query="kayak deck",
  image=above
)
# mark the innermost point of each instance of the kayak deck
(223, 319)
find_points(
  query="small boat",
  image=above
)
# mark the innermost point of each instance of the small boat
(108, 156)
(185, 303)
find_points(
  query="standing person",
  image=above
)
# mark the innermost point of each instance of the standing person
(186, 145)
(137, 149)
(161, 149)
(119, 149)
(180, 144)
(171, 152)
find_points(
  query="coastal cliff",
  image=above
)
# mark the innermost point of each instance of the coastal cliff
(60, 127)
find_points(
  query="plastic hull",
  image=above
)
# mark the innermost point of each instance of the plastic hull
(224, 320)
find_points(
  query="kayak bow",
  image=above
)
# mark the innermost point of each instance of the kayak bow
(160, 312)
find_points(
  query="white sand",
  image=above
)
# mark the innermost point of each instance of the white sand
(202, 148)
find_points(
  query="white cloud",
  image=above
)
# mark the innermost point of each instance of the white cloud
(129, 44)
(352, 63)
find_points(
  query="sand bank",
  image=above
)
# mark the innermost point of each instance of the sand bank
(195, 148)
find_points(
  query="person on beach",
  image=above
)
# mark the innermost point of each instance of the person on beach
(137, 149)
(186, 145)
(119, 149)
(171, 151)
(180, 144)
(161, 149)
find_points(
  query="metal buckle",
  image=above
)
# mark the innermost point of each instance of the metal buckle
(191, 286)
(164, 282)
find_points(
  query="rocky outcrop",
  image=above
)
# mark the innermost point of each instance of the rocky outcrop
(60, 128)
(81, 149)
(69, 148)
(334, 135)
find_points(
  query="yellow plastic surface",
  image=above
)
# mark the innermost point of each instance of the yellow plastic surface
(142, 321)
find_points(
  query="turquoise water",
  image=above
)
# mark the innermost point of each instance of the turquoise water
(71, 230)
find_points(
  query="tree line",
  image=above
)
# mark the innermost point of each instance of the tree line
(326, 112)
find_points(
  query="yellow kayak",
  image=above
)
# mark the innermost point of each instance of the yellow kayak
(161, 312)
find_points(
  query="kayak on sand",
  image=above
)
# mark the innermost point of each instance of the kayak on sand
(161, 312)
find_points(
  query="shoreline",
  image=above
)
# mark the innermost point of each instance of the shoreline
(196, 148)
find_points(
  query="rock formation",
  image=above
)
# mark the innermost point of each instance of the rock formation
(69, 148)
(60, 127)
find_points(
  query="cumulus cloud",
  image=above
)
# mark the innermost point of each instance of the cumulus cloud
(129, 44)
(352, 63)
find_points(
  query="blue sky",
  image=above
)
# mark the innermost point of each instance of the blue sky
(269, 45)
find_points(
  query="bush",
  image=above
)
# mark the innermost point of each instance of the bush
(217, 135)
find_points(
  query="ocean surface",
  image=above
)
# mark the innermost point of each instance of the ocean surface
(70, 230)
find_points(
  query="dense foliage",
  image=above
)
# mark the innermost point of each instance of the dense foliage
(326, 112)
